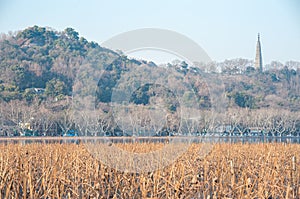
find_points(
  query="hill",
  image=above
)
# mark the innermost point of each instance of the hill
(39, 76)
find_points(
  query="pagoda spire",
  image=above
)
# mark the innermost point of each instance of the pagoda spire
(258, 57)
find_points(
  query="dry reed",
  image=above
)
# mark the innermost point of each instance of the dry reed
(228, 171)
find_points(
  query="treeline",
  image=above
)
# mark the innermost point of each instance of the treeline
(57, 119)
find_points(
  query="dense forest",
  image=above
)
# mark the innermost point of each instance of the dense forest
(39, 76)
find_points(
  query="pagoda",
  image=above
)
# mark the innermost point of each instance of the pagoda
(258, 58)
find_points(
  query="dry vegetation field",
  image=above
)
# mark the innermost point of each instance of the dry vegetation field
(228, 171)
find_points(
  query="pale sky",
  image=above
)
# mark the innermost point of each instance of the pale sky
(224, 29)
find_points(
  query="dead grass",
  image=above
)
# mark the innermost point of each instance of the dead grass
(228, 171)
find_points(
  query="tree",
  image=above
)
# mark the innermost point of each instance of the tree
(55, 88)
(244, 100)
(71, 33)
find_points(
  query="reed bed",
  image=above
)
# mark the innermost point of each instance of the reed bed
(227, 171)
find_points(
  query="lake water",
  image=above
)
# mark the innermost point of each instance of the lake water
(206, 139)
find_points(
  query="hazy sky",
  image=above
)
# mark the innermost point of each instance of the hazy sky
(224, 29)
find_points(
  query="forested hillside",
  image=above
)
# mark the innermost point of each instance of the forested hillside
(39, 67)
(43, 58)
